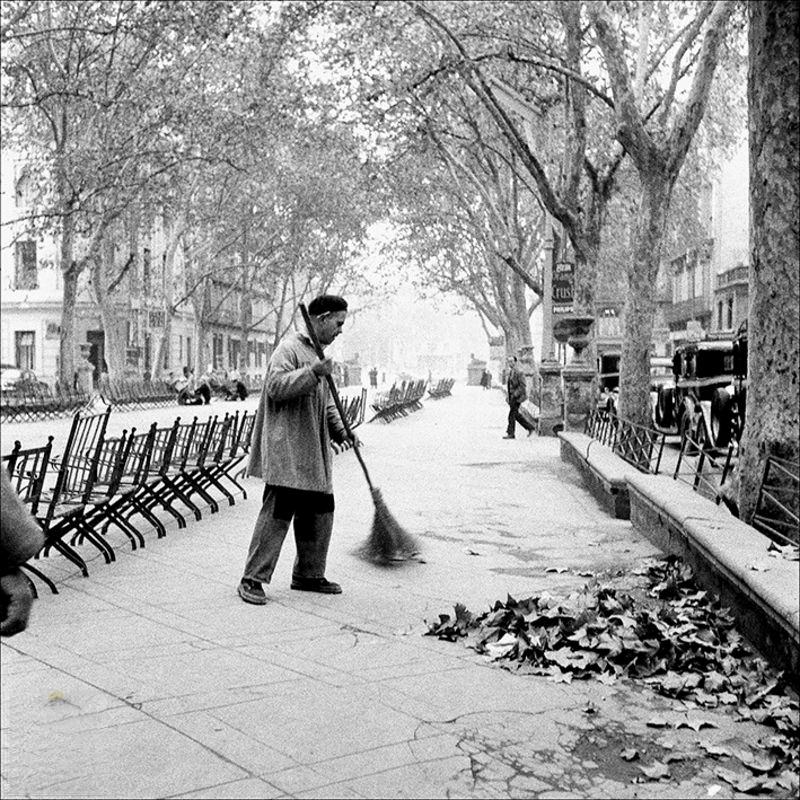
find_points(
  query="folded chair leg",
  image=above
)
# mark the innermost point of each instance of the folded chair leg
(154, 498)
(85, 532)
(133, 535)
(70, 555)
(183, 498)
(137, 506)
(41, 576)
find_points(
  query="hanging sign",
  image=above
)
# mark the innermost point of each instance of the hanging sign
(563, 272)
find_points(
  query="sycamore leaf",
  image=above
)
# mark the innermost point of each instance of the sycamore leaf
(656, 771)
(715, 749)
(697, 724)
(630, 754)
(760, 763)
(657, 722)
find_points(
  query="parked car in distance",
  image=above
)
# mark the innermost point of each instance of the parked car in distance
(9, 375)
(12, 377)
(708, 378)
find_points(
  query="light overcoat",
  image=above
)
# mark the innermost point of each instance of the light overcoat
(295, 421)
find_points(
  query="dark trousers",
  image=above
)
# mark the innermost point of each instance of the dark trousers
(513, 417)
(312, 535)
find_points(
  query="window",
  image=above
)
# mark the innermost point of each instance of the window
(719, 315)
(189, 354)
(146, 265)
(730, 313)
(25, 349)
(26, 273)
(148, 352)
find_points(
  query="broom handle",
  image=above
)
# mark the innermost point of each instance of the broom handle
(318, 347)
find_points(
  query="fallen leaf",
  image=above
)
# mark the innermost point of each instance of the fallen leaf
(760, 763)
(657, 722)
(471, 552)
(630, 754)
(715, 749)
(760, 566)
(696, 724)
(556, 569)
(713, 790)
(656, 771)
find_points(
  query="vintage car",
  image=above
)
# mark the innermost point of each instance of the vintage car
(708, 378)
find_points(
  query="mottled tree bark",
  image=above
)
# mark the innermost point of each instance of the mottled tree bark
(640, 305)
(773, 383)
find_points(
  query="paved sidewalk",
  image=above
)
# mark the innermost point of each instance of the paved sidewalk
(152, 679)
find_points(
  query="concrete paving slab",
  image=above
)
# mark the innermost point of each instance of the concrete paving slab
(152, 679)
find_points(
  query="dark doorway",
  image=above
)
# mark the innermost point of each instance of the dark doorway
(97, 353)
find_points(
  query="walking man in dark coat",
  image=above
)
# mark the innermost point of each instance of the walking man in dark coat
(517, 395)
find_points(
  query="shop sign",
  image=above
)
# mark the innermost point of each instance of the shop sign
(563, 273)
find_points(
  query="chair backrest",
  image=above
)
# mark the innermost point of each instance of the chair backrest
(27, 470)
(182, 442)
(78, 466)
(245, 432)
(200, 440)
(112, 460)
(161, 448)
(217, 439)
(137, 460)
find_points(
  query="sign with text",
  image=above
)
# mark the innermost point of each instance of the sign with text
(563, 287)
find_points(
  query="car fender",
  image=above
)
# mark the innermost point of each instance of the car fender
(705, 409)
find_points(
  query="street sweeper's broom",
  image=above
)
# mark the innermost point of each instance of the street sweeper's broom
(388, 542)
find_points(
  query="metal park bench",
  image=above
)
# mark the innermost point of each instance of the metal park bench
(443, 388)
(638, 445)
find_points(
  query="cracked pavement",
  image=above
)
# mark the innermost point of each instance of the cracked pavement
(152, 679)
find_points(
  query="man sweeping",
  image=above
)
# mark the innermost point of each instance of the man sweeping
(290, 450)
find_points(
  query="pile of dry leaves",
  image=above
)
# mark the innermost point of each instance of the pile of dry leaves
(676, 638)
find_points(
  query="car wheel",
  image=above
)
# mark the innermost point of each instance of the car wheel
(721, 418)
(664, 407)
(685, 418)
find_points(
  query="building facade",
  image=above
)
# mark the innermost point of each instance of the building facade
(31, 301)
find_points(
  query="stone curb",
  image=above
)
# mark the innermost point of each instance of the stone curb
(604, 472)
(730, 558)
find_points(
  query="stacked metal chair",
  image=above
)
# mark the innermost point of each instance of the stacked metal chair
(102, 483)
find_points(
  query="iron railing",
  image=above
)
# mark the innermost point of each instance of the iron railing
(776, 513)
(639, 445)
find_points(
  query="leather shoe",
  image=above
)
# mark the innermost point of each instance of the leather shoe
(320, 585)
(509, 437)
(251, 592)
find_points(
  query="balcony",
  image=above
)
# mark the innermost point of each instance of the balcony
(737, 276)
(685, 310)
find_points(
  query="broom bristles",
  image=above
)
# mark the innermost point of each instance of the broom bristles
(388, 542)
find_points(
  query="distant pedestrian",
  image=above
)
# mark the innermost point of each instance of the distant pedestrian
(373, 377)
(517, 395)
(486, 379)
(20, 539)
(290, 449)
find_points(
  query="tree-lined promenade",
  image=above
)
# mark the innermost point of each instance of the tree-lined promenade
(266, 139)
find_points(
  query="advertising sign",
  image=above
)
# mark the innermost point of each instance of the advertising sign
(562, 287)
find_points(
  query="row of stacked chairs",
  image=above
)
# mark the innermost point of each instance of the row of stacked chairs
(354, 411)
(129, 395)
(125, 481)
(442, 388)
(399, 400)
(30, 402)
